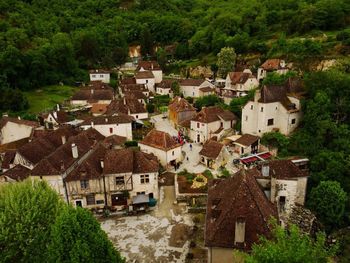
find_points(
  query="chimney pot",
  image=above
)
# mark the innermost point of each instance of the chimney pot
(58, 107)
(102, 163)
(106, 119)
(75, 153)
(55, 114)
(92, 91)
(92, 124)
(64, 140)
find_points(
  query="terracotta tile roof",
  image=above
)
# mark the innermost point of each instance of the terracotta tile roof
(135, 95)
(5, 120)
(98, 108)
(191, 82)
(113, 140)
(133, 87)
(98, 85)
(17, 173)
(272, 64)
(213, 113)
(128, 160)
(237, 198)
(185, 123)
(161, 140)
(62, 157)
(93, 95)
(90, 168)
(179, 104)
(148, 65)
(117, 118)
(103, 71)
(247, 139)
(166, 83)
(239, 77)
(59, 116)
(207, 89)
(127, 81)
(13, 145)
(8, 158)
(125, 106)
(144, 75)
(281, 169)
(211, 149)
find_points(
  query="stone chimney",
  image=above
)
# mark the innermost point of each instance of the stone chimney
(58, 107)
(240, 230)
(102, 163)
(106, 120)
(75, 151)
(265, 170)
(64, 139)
(273, 187)
(92, 124)
(92, 91)
(152, 66)
(55, 114)
(257, 95)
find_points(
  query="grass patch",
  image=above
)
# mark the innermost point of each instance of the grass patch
(47, 97)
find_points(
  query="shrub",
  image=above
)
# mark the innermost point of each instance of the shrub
(150, 107)
(208, 174)
(131, 143)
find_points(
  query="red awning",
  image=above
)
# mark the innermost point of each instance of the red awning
(265, 155)
(249, 160)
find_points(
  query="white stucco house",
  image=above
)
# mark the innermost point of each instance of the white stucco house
(131, 107)
(90, 96)
(147, 78)
(152, 66)
(274, 108)
(14, 129)
(116, 124)
(162, 145)
(246, 144)
(196, 88)
(211, 122)
(272, 65)
(100, 75)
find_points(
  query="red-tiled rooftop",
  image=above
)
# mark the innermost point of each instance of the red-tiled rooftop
(214, 113)
(161, 140)
(179, 104)
(144, 75)
(191, 82)
(247, 139)
(211, 149)
(148, 65)
(17, 173)
(239, 77)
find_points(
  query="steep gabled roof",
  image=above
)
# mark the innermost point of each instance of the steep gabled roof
(133, 87)
(127, 81)
(92, 95)
(5, 120)
(281, 169)
(211, 149)
(271, 94)
(191, 82)
(237, 198)
(117, 118)
(166, 83)
(239, 77)
(272, 64)
(247, 139)
(179, 104)
(144, 75)
(134, 95)
(161, 140)
(148, 65)
(125, 106)
(213, 113)
(17, 173)
(96, 71)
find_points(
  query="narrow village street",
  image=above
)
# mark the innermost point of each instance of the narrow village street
(159, 236)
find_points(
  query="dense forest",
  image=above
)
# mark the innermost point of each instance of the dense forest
(47, 41)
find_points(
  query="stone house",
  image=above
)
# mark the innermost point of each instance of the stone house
(213, 154)
(131, 107)
(100, 75)
(246, 144)
(165, 87)
(211, 122)
(133, 87)
(152, 66)
(238, 212)
(147, 78)
(162, 145)
(272, 65)
(15, 129)
(116, 124)
(274, 108)
(180, 110)
(196, 88)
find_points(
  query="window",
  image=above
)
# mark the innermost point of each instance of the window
(251, 107)
(84, 184)
(90, 199)
(293, 121)
(144, 179)
(269, 122)
(101, 76)
(173, 153)
(111, 130)
(146, 80)
(119, 180)
(100, 202)
(140, 193)
(282, 203)
(246, 118)
(262, 109)
(137, 116)
(198, 125)
(94, 76)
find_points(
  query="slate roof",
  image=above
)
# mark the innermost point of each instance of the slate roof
(125, 106)
(144, 75)
(237, 198)
(214, 113)
(247, 139)
(179, 104)
(5, 120)
(211, 149)
(148, 65)
(129, 161)
(62, 157)
(239, 77)
(191, 82)
(17, 173)
(117, 118)
(271, 94)
(161, 140)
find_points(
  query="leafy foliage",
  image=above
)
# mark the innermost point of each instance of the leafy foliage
(226, 60)
(276, 140)
(206, 101)
(291, 246)
(328, 200)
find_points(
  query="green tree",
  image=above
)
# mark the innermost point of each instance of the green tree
(161, 58)
(291, 246)
(175, 87)
(146, 40)
(27, 212)
(77, 237)
(226, 60)
(328, 201)
(206, 101)
(214, 68)
(277, 140)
